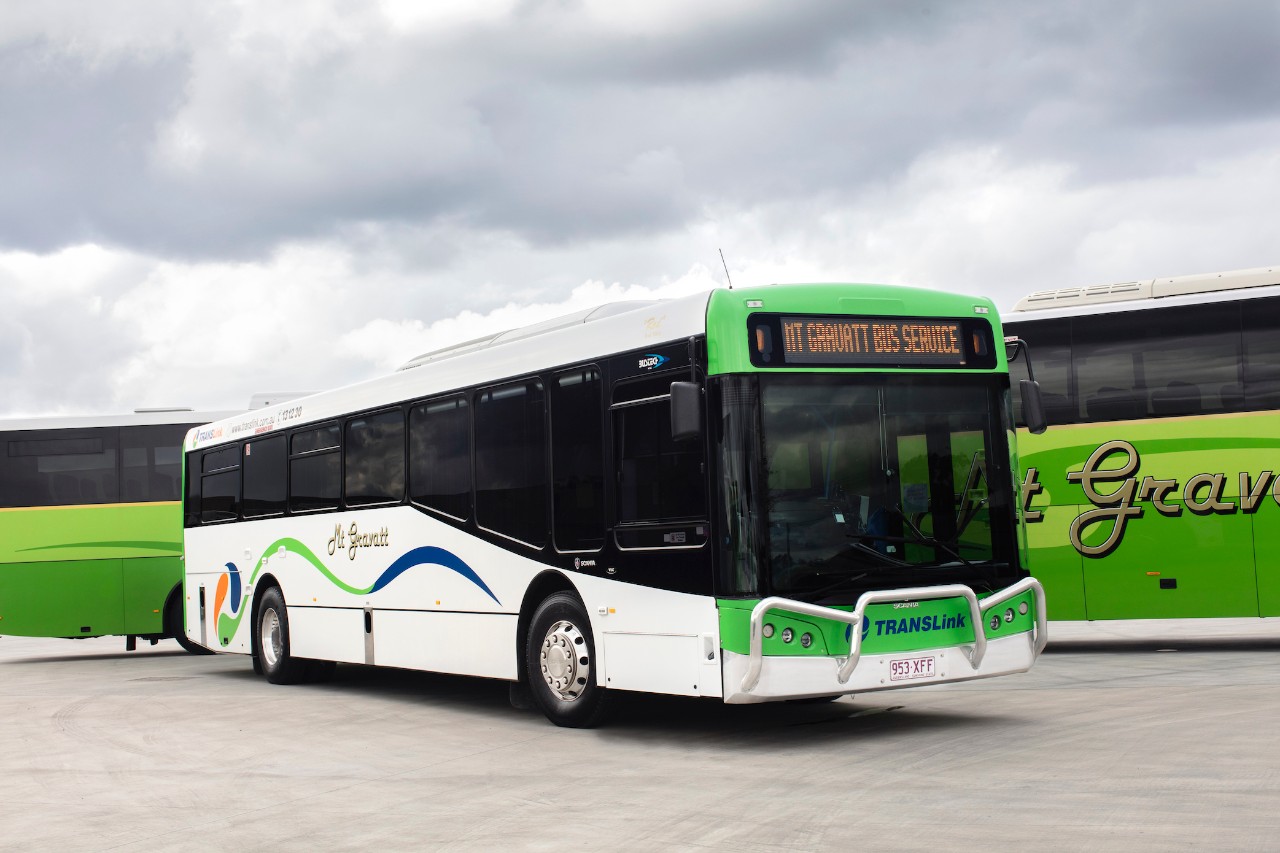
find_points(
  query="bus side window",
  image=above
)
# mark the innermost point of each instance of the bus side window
(440, 456)
(315, 469)
(511, 461)
(375, 459)
(659, 479)
(577, 460)
(1261, 357)
(264, 476)
(220, 485)
(60, 468)
(150, 462)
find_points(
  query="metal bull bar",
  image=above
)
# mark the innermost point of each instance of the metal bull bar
(976, 610)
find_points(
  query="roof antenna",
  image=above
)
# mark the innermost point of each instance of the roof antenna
(726, 269)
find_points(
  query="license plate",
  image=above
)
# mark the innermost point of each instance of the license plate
(905, 669)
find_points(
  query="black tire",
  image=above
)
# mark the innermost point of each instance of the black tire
(174, 627)
(560, 661)
(271, 640)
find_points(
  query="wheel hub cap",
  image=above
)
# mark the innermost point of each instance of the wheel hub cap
(270, 639)
(565, 666)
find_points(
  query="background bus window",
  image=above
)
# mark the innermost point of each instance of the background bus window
(315, 469)
(440, 457)
(1180, 361)
(511, 462)
(375, 459)
(1049, 347)
(577, 460)
(151, 462)
(1107, 358)
(59, 468)
(264, 476)
(220, 485)
(1190, 355)
(1261, 322)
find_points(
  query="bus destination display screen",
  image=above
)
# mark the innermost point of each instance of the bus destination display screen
(843, 341)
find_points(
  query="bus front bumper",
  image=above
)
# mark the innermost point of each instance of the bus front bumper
(755, 677)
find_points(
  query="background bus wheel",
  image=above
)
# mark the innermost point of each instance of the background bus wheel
(560, 664)
(271, 641)
(174, 628)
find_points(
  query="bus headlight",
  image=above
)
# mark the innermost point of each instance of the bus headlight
(1008, 615)
(995, 621)
(1022, 608)
(806, 640)
(788, 635)
(768, 630)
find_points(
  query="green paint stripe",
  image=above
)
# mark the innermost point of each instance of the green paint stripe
(228, 625)
(172, 547)
(291, 544)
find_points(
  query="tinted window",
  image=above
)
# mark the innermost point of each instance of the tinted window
(440, 456)
(375, 459)
(1261, 355)
(220, 460)
(151, 462)
(511, 464)
(59, 468)
(1108, 363)
(315, 469)
(321, 438)
(220, 491)
(1177, 361)
(577, 460)
(659, 479)
(1191, 361)
(264, 476)
(1049, 348)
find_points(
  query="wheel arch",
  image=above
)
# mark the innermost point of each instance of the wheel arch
(166, 625)
(543, 585)
(260, 587)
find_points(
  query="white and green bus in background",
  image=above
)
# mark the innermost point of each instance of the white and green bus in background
(787, 492)
(91, 525)
(1156, 495)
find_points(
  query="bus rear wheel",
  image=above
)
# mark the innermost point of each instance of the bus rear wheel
(271, 641)
(559, 664)
(173, 625)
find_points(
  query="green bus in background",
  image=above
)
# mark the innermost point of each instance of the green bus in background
(1155, 494)
(91, 525)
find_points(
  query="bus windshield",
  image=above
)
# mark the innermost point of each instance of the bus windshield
(875, 481)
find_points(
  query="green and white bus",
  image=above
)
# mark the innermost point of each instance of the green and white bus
(1155, 494)
(91, 525)
(787, 492)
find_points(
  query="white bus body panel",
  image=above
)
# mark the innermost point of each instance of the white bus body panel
(653, 640)
(453, 609)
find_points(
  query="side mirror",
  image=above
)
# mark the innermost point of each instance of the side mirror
(1032, 406)
(686, 410)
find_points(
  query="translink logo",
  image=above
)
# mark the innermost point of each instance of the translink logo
(920, 623)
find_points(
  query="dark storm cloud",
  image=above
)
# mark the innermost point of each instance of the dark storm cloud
(554, 129)
(74, 141)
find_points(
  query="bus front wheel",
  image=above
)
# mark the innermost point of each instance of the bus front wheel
(560, 664)
(271, 641)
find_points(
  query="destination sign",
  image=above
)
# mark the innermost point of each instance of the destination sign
(872, 340)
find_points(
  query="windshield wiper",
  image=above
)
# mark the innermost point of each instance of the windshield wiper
(952, 548)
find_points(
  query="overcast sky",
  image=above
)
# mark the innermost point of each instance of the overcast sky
(203, 201)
